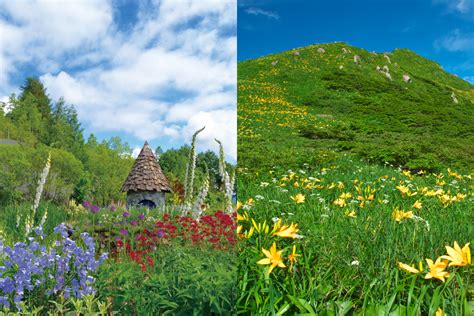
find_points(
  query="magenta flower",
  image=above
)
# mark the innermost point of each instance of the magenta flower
(124, 232)
(94, 209)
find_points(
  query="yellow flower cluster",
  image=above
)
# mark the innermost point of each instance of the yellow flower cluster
(74, 208)
(400, 215)
(456, 256)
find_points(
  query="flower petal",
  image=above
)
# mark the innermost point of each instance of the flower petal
(264, 261)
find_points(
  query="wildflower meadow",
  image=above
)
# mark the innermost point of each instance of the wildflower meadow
(355, 188)
(89, 259)
(350, 238)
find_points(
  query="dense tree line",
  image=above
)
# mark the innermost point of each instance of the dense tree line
(81, 169)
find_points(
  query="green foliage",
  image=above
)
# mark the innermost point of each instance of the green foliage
(15, 170)
(13, 219)
(107, 170)
(184, 281)
(93, 171)
(173, 162)
(66, 131)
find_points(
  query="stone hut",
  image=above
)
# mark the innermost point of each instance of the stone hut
(146, 184)
(321, 50)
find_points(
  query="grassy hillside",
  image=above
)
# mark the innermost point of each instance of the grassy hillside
(320, 103)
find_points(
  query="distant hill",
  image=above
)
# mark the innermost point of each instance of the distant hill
(396, 108)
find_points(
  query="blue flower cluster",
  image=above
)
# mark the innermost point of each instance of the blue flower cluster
(63, 269)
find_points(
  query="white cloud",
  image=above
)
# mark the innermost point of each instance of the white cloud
(257, 11)
(456, 41)
(464, 7)
(175, 66)
(469, 79)
(219, 125)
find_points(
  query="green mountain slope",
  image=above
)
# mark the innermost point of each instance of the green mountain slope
(303, 105)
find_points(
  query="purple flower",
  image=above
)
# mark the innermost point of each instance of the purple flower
(87, 204)
(141, 216)
(112, 208)
(125, 214)
(4, 301)
(134, 223)
(94, 209)
(39, 231)
(124, 232)
(65, 267)
(160, 233)
(61, 229)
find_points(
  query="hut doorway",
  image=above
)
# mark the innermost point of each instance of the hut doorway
(147, 203)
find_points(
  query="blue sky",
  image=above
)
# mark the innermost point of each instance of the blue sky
(153, 70)
(441, 30)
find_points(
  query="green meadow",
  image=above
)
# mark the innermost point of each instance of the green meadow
(352, 185)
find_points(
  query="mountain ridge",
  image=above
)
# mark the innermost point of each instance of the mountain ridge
(399, 96)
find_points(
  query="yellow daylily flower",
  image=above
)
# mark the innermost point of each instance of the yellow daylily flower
(260, 227)
(408, 268)
(345, 196)
(298, 198)
(458, 257)
(439, 312)
(238, 206)
(417, 205)
(434, 193)
(292, 257)
(403, 189)
(249, 233)
(243, 217)
(250, 201)
(399, 215)
(351, 214)
(340, 202)
(273, 257)
(437, 269)
(454, 174)
(286, 231)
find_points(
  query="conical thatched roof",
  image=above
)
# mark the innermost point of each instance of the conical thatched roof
(146, 174)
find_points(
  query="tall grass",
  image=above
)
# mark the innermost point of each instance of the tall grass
(349, 254)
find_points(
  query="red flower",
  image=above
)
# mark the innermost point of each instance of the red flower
(151, 263)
